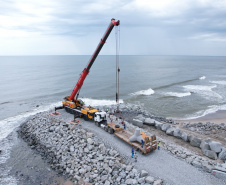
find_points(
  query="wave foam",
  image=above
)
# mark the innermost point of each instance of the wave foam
(176, 94)
(202, 78)
(203, 90)
(218, 82)
(96, 102)
(211, 109)
(9, 124)
(144, 92)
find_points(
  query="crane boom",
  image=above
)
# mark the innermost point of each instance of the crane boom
(85, 72)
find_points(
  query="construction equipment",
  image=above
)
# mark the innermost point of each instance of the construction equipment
(74, 105)
(149, 145)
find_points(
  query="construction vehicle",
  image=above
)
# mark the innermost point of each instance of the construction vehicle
(149, 145)
(76, 106)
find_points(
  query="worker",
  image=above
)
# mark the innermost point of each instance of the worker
(135, 157)
(159, 145)
(124, 126)
(132, 152)
(142, 143)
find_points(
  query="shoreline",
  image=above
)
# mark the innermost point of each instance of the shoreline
(216, 117)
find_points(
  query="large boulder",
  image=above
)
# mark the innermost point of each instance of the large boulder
(143, 173)
(204, 145)
(140, 117)
(158, 124)
(149, 121)
(215, 146)
(195, 141)
(165, 126)
(170, 131)
(211, 154)
(222, 154)
(149, 179)
(184, 136)
(177, 133)
(137, 122)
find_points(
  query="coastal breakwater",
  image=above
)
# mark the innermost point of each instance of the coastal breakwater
(79, 154)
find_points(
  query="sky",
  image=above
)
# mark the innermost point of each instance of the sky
(147, 27)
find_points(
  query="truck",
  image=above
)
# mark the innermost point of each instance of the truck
(76, 106)
(150, 142)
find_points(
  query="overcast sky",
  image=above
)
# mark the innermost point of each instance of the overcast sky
(148, 27)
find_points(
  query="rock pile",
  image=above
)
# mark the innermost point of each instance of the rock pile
(79, 154)
(211, 149)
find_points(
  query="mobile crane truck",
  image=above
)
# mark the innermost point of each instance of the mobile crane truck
(76, 106)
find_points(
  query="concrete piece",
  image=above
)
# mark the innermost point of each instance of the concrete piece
(137, 122)
(149, 121)
(215, 146)
(222, 154)
(136, 137)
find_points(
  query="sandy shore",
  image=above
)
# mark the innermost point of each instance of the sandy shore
(217, 117)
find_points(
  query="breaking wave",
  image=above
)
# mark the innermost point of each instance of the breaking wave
(96, 102)
(144, 92)
(176, 94)
(202, 78)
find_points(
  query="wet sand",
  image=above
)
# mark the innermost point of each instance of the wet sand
(217, 117)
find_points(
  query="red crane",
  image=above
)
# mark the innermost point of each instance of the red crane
(71, 101)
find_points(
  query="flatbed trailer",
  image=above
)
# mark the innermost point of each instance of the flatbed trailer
(150, 143)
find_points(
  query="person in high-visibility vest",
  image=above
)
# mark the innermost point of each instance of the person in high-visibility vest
(132, 152)
(159, 145)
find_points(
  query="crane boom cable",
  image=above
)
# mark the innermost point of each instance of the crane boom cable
(117, 37)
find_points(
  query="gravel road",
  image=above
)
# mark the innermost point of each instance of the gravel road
(159, 164)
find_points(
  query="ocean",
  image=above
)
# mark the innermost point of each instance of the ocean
(178, 87)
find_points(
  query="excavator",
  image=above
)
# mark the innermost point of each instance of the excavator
(76, 106)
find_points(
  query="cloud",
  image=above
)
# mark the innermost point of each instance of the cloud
(147, 26)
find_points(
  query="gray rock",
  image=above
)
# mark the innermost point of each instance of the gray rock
(129, 181)
(184, 136)
(165, 127)
(140, 117)
(170, 131)
(215, 146)
(158, 124)
(204, 145)
(149, 179)
(211, 154)
(90, 141)
(177, 133)
(141, 180)
(206, 166)
(190, 137)
(72, 148)
(51, 129)
(137, 122)
(149, 121)
(143, 173)
(158, 182)
(195, 141)
(196, 163)
(222, 154)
